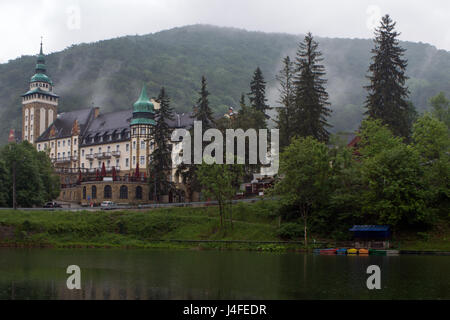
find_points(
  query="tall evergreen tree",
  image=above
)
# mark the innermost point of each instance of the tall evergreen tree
(287, 101)
(311, 98)
(161, 164)
(202, 111)
(387, 98)
(257, 96)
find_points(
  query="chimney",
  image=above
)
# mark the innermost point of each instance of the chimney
(96, 112)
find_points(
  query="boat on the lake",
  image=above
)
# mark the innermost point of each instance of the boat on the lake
(341, 251)
(328, 251)
(352, 251)
(363, 251)
(377, 252)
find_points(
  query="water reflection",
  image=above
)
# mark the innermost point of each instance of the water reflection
(161, 274)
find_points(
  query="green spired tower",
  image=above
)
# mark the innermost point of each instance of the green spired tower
(39, 103)
(141, 125)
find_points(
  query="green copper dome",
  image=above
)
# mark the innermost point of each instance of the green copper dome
(41, 77)
(41, 69)
(143, 104)
(143, 110)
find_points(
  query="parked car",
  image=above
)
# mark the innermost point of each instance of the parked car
(52, 204)
(108, 205)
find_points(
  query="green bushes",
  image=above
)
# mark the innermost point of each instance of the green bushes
(290, 230)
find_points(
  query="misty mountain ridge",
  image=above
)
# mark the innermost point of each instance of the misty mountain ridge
(110, 73)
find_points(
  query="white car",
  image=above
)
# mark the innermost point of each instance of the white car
(107, 205)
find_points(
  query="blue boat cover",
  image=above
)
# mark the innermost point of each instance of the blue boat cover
(370, 232)
(369, 228)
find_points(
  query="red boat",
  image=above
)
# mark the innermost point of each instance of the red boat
(328, 251)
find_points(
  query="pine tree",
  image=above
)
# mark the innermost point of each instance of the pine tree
(161, 162)
(311, 99)
(202, 111)
(287, 101)
(257, 96)
(387, 98)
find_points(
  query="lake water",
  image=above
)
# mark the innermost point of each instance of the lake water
(191, 274)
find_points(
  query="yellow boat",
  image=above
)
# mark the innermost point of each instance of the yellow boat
(363, 251)
(352, 251)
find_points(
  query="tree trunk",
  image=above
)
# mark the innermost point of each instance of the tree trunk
(231, 214)
(221, 214)
(305, 221)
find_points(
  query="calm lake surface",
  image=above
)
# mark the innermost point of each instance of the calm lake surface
(190, 274)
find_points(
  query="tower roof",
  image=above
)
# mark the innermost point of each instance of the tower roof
(41, 69)
(143, 104)
(143, 109)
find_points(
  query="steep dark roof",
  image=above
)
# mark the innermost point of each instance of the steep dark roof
(108, 122)
(105, 123)
(64, 123)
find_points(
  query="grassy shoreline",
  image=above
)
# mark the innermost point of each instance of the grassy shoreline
(170, 228)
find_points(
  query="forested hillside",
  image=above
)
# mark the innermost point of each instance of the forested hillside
(110, 73)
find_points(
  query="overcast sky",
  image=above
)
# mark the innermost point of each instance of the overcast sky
(66, 22)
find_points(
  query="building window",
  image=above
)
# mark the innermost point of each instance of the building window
(117, 162)
(64, 143)
(142, 160)
(134, 130)
(127, 162)
(142, 145)
(123, 192)
(84, 192)
(109, 148)
(127, 147)
(82, 153)
(107, 192)
(59, 155)
(142, 130)
(82, 165)
(59, 144)
(90, 164)
(117, 147)
(91, 150)
(75, 141)
(134, 160)
(53, 144)
(68, 142)
(138, 192)
(39, 147)
(134, 145)
(94, 192)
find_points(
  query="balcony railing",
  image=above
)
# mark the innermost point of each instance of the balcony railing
(74, 158)
(90, 156)
(63, 160)
(103, 155)
(116, 153)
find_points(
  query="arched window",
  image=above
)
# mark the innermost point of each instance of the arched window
(94, 192)
(107, 192)
(139, 192)
(123, 192)
(84, 192)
